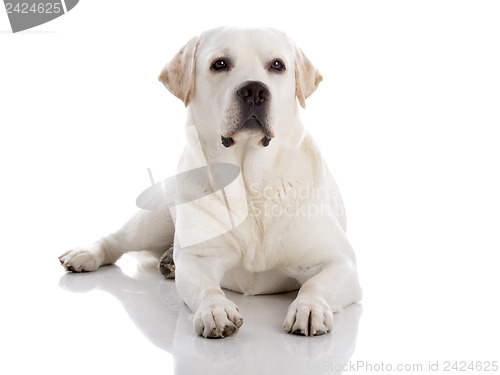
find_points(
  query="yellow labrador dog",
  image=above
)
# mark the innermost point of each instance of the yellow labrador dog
(276, 222)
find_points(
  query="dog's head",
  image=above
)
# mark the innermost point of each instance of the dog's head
(242, 82)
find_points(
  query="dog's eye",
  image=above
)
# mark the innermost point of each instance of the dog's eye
(219, 65)
(277, 65)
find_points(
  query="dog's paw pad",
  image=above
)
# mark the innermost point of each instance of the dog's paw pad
(309, 317)
(167, 265)
(218, 319)
(79, 260)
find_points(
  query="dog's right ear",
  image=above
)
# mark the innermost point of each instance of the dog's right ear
(178, 74)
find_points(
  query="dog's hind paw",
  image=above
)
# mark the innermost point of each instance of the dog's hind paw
(80, 260)
(167, 265)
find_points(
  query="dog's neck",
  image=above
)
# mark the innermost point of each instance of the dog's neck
(253, 159)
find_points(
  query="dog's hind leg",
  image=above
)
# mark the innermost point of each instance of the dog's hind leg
(167, 265)
(146, 230)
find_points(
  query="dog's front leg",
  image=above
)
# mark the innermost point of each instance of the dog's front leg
(328, 291)
(198, 280)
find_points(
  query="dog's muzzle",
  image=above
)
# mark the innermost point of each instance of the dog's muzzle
(254, 98)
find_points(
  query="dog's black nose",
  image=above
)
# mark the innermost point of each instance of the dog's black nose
(253, 92)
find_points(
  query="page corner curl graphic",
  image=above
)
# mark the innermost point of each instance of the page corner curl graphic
(211, 200)
(26, 14)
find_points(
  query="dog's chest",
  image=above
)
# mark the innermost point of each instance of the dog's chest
(276, 215)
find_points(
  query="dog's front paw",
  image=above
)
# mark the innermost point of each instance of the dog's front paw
(309, 317)
(80, 260)
(217, 319)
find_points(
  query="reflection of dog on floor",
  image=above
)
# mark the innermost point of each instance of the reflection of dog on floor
(241, 87)
(158, 312)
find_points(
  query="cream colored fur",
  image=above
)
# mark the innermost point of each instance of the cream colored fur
(293, 233)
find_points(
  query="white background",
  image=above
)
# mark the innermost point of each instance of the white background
(408, 118)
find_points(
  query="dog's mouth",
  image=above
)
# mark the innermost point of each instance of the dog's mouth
(252, 125)
(229, 141)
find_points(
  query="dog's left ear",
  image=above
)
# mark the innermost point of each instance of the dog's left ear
(178, 74)
(307, 77)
